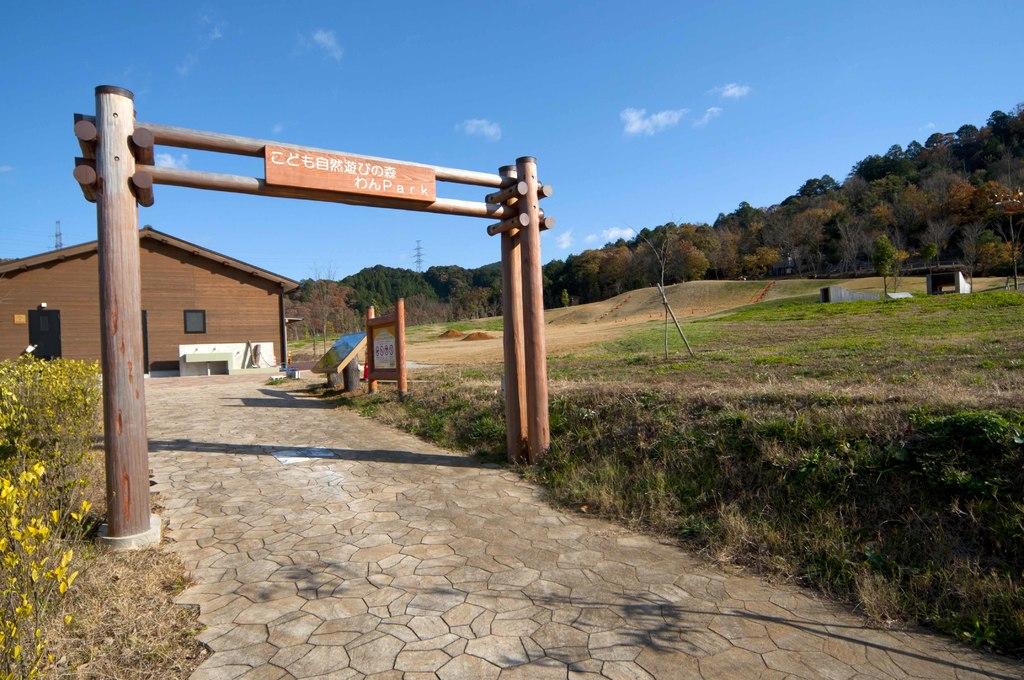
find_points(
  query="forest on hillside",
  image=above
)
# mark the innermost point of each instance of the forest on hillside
(949, 201)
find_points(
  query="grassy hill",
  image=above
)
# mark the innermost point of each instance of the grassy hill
(573, 329)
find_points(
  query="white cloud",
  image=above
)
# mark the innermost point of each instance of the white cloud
(209, 30)
(928, 126)
(213, 27)
(278, 128)
(185, 67)
(480, 127)
(615, 233)
(169, 160)
(710, 114)
(6, 168)
(327, 41)
(564, 240)
(637, 122)
(590, 238)
(732, 90)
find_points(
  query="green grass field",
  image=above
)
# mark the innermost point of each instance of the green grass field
(870, 450)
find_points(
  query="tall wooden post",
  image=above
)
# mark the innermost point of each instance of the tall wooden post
(537, 426)
(371, 385)
(403, 375)
(129, 522)
(512, 340)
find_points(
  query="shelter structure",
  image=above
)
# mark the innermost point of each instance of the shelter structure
(843, 294)
(942, 283)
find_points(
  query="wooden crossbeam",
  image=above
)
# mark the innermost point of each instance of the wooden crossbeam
(254, 185)
(169, 135)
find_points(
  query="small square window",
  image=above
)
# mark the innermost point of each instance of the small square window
(195, 320)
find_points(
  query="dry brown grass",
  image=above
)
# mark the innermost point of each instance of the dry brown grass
(125, 624)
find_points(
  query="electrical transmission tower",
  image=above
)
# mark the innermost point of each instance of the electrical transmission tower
(58, 238)
(419, 256)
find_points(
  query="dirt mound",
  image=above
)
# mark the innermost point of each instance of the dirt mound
(451, 333)
(478, 335)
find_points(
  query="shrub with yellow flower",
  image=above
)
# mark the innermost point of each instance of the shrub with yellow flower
(48, 418)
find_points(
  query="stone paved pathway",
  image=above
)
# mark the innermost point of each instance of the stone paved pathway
(395, 559)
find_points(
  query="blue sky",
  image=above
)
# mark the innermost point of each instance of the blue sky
(639, 113)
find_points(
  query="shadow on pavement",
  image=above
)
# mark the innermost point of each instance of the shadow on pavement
(357, 455)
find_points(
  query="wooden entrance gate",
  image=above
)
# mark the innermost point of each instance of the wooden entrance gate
(117, 172)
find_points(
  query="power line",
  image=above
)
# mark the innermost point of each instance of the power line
(419, 256)
(58, 238)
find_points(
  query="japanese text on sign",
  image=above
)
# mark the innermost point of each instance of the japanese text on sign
(289, 166)
(383, 348)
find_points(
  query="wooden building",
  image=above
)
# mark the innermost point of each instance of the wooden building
(197, 304)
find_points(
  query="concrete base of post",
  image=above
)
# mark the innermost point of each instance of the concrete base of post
(144, 539)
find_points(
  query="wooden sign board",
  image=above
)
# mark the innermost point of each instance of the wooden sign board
(20, 319)
(385, 342)
(347, 174)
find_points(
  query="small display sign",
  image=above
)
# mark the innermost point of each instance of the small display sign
(20, 319)
(384, 349)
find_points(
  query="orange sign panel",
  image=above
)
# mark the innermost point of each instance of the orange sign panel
(344, 173)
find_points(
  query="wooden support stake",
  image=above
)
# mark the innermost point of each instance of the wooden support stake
(124, 398)
(403, 373)
(371, 384)
(668, 308)
(538, 428)
(85, 175)
(518, 222)
(142, 183)
(512, 340)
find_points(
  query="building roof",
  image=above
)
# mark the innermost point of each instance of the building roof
(150, 232)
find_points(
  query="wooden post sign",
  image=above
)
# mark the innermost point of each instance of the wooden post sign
(116, 171)
(385, 345)
(345, 173)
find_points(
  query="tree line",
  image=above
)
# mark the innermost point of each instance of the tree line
(948, 201)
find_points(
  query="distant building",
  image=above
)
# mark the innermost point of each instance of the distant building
(202, 312)
(841, 294)
(941, 283)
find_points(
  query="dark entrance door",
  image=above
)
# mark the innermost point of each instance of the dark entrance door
(44, 332)
(145, 341)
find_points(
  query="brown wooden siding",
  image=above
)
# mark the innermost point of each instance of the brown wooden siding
(239, 307)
